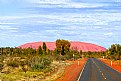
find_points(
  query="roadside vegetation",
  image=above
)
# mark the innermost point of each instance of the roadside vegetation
(42, 63)
(114, 52)
(35, 64)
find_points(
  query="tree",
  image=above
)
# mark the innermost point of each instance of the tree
(81, 53)
(58, 46)
(44, 46)
(62, 46)
(1, 51)
(65, 46)
(115, 50)
(39, 51)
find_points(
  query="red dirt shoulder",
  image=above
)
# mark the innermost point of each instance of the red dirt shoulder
(72, 72)
(115, 65)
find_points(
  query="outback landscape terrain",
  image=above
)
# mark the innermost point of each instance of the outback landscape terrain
(60, 40)
(47, 61)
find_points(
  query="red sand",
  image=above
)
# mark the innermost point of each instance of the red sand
(74, 46)
(72, 72)
(115, 65)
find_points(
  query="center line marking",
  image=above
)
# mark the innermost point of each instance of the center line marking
(99, 69)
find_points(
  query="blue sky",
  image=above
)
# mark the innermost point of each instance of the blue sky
(92, 21)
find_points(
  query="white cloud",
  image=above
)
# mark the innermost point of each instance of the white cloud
(68, 5)
(49, 1)
(8, 28)
(71, 5)
(63, 4)
(97, 27)
(13, 31)
(9, 18)
(59, 19)
(8, 23)
(108, 34)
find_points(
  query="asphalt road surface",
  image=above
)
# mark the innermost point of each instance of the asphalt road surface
(95, 70)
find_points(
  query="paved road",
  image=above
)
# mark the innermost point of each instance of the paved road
(95, 70)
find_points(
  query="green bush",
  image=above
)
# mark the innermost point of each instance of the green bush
(46, 62)
(42, 64)
(1, 66)
(13, 63)
(1, 62)
(37, 67)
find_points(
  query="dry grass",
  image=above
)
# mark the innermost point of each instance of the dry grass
(37, 76)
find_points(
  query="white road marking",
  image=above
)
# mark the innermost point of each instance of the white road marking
(99, 69)
(82, 71)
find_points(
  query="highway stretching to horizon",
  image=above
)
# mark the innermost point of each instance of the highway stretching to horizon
(95, 70)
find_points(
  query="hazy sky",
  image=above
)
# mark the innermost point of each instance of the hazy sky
(93, 21)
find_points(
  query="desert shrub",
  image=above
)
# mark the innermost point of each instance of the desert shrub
(41, 64)
(1, 61)
(113, 57)
(57, 57)
(22, 63)
(37, 67)
(1, 66)
(46, 62)
(13, 63)
(47, 69)
(63, 58)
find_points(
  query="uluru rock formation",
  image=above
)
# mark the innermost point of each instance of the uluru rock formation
(85, 47)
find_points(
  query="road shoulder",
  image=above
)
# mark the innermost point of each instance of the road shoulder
(72, 72)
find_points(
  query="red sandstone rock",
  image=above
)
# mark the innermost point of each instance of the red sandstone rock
(74, 46)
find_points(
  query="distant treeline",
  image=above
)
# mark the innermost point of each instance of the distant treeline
(62, 49)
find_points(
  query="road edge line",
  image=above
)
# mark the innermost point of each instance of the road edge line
(82, 71)
(109, 66)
